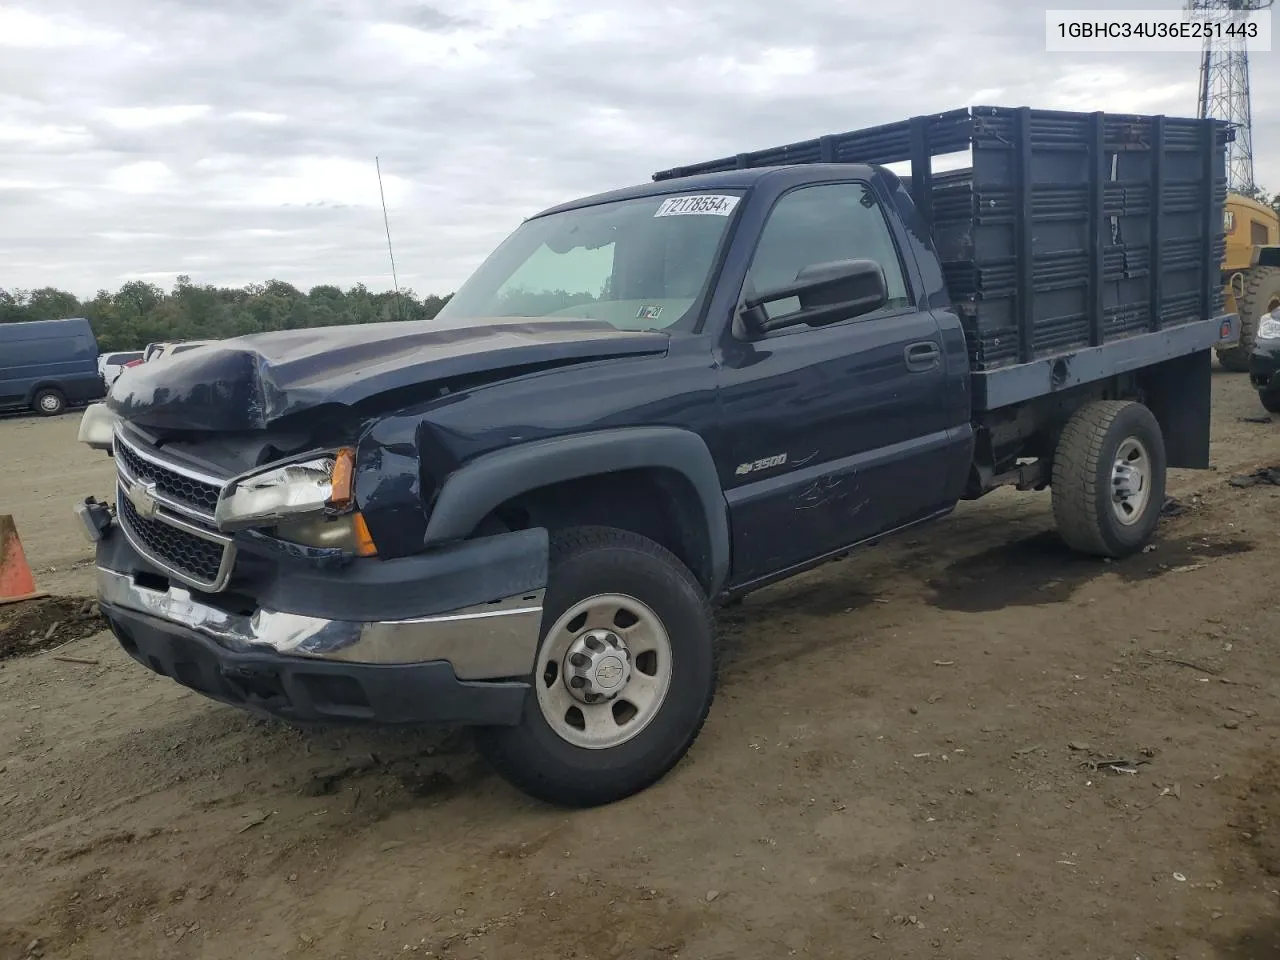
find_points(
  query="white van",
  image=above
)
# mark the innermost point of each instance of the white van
(111, 365)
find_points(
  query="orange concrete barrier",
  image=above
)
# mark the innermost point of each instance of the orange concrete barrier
(16, 581)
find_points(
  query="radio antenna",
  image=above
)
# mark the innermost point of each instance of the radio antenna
(387, 223)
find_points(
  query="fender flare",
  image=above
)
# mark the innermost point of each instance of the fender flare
(479, 486)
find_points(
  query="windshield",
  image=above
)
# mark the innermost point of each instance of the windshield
(636, 264)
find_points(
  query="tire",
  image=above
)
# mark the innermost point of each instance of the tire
(1085, 474)
(1270, 401)
(1261, 296)
(539, 756)
(49, 402)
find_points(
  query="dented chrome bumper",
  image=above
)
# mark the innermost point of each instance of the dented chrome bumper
(490, 641)
(447, 636)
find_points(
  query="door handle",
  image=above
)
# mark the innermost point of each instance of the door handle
(922, 356)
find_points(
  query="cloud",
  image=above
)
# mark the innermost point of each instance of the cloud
(27, 29)
(321, 181)
(256, 116)
(142, 118)
(142, 177)
(15, 134)
(235, 141)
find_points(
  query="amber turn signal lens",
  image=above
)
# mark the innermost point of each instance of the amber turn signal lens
(342, 479)
(365, 546)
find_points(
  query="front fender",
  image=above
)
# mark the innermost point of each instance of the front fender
(474, 490)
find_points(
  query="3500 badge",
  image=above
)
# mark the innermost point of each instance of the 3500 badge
(775, 461)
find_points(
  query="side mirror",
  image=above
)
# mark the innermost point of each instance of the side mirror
(828, 293)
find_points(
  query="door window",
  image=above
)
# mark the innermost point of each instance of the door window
(818, 224)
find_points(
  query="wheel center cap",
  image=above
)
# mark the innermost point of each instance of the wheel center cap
(609, 672)
(1128, 482)
(597, 666)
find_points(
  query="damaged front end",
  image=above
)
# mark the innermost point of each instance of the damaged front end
(242, 565)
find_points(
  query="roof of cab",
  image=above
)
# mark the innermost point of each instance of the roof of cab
(723, 180)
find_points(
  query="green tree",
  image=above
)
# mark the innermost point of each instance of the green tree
(139, 313)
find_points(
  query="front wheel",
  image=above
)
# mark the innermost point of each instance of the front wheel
(624, 677)
(1109, 478)
(1270, 401)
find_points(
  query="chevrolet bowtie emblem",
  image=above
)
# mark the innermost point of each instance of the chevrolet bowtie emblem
(143, 497)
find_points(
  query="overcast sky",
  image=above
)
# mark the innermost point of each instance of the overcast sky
(234, 140)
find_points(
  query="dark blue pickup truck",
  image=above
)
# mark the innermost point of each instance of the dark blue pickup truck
(520, 515)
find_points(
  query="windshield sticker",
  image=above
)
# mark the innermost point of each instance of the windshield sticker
(697, 204)
(649, 312)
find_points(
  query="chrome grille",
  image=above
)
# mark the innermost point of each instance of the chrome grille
(181, 486)
(197, 560)
(174, 528)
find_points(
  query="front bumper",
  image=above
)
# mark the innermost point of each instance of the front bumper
(312, 646)
(1264, 364)
(310, 691)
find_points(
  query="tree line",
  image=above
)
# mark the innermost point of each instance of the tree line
(140, 313)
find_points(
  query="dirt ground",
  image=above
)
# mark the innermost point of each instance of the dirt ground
(911, 757)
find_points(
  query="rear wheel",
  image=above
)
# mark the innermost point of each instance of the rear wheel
(624, 677)
(1261, 296)
(49, 402)
(1270, 401)
(1109, 478)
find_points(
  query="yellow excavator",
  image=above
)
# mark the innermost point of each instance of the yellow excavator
(1250, 271)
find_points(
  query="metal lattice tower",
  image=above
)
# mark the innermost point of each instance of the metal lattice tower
(1224, 85)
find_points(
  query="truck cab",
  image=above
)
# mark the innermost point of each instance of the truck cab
(827, 430)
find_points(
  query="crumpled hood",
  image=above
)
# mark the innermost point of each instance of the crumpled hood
(250, 382)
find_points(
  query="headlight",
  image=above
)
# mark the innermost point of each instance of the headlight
(315, 486)
(98, 427)
(1269, 328)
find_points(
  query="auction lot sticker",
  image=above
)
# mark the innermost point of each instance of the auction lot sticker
(694, 204)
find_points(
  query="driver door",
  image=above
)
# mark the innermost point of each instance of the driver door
(838, 431)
